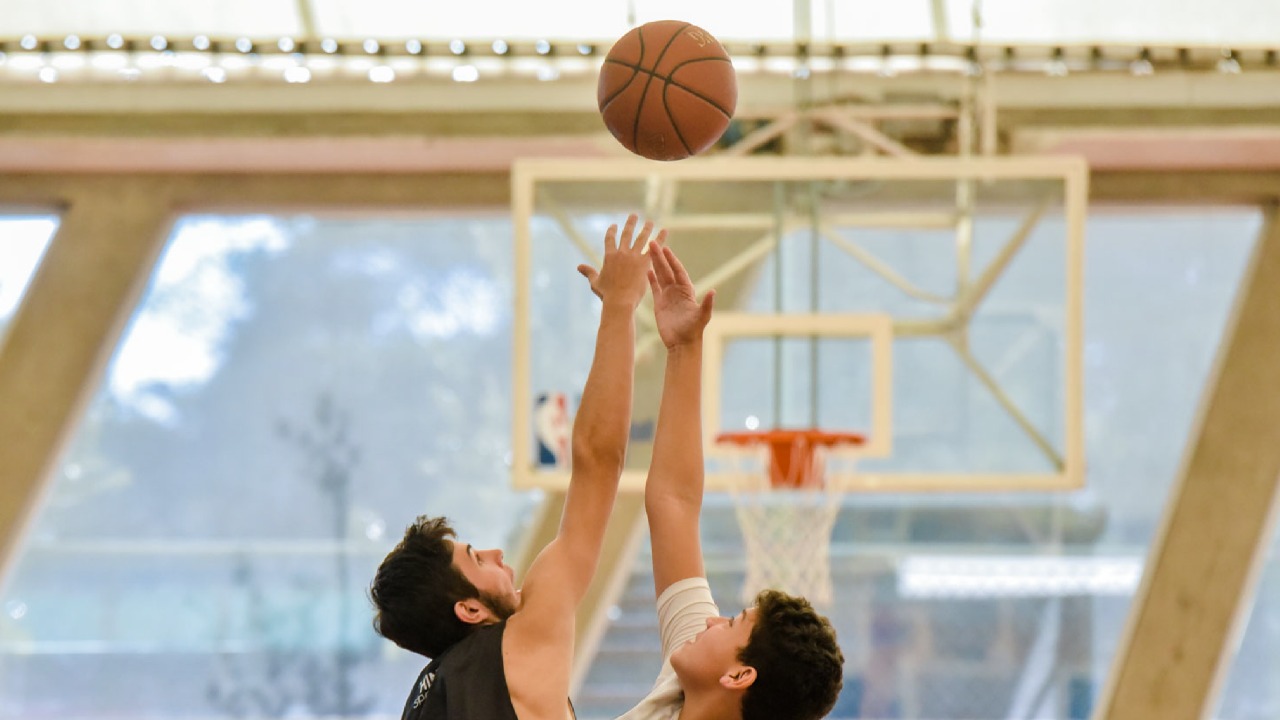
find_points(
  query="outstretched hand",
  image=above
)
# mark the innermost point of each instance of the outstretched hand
(679, 314)
(622, 272)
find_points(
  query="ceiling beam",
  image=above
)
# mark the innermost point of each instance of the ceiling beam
(63, 334)
(1217, 525)
(759, 93)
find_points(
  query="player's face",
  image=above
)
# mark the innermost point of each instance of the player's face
(494, 579)
(713, 653)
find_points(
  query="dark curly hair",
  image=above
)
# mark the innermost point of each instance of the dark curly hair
(416, 587)
(799, 666)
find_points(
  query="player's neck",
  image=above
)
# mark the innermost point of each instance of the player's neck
(711, 706)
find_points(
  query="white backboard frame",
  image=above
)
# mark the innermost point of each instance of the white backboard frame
(1072, 172)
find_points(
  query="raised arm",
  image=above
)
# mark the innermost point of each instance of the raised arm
(603, 422)
(673, 492)
(562, 572)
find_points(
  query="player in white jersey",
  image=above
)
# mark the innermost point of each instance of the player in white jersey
(776, 660)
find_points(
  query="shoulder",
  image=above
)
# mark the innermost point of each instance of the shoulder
(483, 643)
(663, 702)
(467, 680)
(684, 598)
(683, 609)
(537, 667)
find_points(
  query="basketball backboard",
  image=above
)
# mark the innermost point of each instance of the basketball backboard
(933, 305)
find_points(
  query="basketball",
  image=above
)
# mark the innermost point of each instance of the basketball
(667, 90)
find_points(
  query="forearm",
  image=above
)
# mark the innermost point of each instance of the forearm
(676, 470)
(602, 425)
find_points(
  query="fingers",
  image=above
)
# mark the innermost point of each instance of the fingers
(677, 268)
(611, 238)
(630, 241)
(642, 240)
(653, 283)
(662, 266)
(627, 230)
(708, 303)
(590, 274)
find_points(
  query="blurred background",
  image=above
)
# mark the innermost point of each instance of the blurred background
(268, 249)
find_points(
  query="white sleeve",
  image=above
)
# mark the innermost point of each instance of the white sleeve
(683, 610)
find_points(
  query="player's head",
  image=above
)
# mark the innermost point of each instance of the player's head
(777, 660)
(432, 590)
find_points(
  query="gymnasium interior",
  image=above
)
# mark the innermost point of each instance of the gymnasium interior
(278, 276)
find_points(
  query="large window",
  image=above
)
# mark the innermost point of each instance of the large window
(1012, 605)
(288, 395)
(23, 239)
(292, 390)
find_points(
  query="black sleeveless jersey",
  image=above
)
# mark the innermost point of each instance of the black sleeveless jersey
(467, 682)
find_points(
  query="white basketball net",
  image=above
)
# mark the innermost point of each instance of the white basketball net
(787, 535)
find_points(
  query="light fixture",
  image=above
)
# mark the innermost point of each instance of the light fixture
(297, 74)
(214, 74)
(68, 61)
(1142, 65)
(886, 62)
(1228, 64)
(973, 65)
(26, 62)
(954, 576)
(108, 61)
(886, 59)
(1056, 67)
(234, 62)
(48, 75)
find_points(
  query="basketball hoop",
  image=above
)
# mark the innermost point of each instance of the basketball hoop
(787, 513)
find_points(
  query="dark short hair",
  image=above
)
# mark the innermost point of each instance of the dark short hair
(799, 666)
(416, 587)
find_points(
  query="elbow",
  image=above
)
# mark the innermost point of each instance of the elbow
(597, 455)
(600, 462)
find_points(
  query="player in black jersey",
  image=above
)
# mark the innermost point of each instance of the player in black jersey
(499, 652)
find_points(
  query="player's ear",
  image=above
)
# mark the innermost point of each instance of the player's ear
(738, 678)
(472, 611)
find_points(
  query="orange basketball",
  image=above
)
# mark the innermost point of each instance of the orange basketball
(667, 90)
